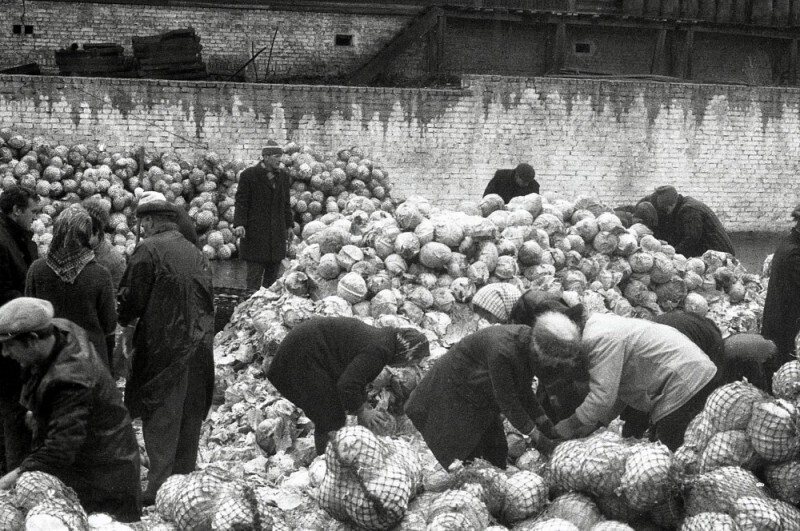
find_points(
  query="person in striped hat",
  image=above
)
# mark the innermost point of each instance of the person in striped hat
(494, 302)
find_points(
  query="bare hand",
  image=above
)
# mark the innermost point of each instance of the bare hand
(239, 232)
(374, 420)
(9, 480)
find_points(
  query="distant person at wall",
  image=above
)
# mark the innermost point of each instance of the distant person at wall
(782, 307)
(17, 251)
(79, 288)
(644, 213)
(105, 253)
(688, 224)
(263, 218)
(512, 183)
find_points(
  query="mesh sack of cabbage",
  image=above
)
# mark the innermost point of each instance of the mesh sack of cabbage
(786, 380)
(368, 481)
(717, 491)
(11, 515)
(729, 448)
(57, 513)
(698, 433)
(34, 487)
(594, 465)
(571, 509)
(458, 509)
(709, 521)
(212, 499)
(648, 479)
(784, 480)
(773, 430)
(731, 406)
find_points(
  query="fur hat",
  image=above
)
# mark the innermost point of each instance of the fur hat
(557, 340)
(665, 195)
(23, 315)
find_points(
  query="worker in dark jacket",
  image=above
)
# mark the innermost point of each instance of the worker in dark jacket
(690, 225)
(512, 183)
(82, 432)
(324, 365)
(457, 406)
(17, 251)
(166, 298)
(781, 321)
(263, 217)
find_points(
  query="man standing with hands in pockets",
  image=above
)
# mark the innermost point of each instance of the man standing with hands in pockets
(263, 217)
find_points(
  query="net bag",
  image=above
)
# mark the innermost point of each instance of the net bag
(786, 381)
(616, 507)
(576, 508)
(773, 430)
(646, 481)
(790, 515)
(717, 491)
(784, 480)
(459, 508)
(730, 406)
(526, 496)
(728, 448)
(699, 432)
(239, 507)
(709, 522)
(191, 501)
(668, 513)
(366, 484)
(612, 525)
(594, 465)
(34, 487)
(57, 513)
(11, 516)
(550, 524)
(757, 513)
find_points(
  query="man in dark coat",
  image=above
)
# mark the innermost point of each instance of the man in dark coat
(17, 252)
(781, 321)
(512, 183)
(689, 225)
(82, 432)
(166, 294)
(263, 217)
(323, 366)
(458, 404)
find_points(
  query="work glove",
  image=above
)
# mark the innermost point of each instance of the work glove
(373, 420)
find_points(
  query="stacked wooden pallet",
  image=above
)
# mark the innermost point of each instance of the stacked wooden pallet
(95, 60)
(172, 55)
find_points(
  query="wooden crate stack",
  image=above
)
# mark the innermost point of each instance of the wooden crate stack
(171, 55)
(95, 60)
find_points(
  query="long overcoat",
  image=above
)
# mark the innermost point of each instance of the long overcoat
(782, 306)
(262, 208)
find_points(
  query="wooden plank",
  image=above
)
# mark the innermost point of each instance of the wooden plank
(793, 62)
(559, 48)
(441, 42)
(658, 65)
(685, 60)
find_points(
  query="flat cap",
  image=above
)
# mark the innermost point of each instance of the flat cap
(272, 148)
(24, 314)
(154, 202)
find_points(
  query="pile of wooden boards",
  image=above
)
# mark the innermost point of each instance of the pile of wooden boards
(172, 55)
(95, 60)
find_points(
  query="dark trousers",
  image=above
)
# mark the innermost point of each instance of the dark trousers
(172, 432)
(493, 446)
(261, 274)
(16, 436)
(671, 429)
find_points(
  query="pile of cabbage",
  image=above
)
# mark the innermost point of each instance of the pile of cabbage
(206, 187)
(423, 263)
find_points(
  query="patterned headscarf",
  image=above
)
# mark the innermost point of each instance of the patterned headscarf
(70, 251)
(498, 299)
(410, 346)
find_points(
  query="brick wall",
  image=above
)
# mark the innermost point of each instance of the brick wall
(304, 45)
(737, 148)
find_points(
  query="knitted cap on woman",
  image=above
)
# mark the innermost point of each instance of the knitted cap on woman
(498, 299)
(411, 345)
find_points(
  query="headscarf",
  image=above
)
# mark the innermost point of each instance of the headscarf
(69, 250)
(498, 299)
(410, 346)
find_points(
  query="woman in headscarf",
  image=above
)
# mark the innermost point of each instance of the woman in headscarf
(324, 365)
(495, 301)
(80, 289)
(459, 404)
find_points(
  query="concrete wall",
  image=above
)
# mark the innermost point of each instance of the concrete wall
(737, 148)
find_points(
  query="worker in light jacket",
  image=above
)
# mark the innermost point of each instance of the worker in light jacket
(647, 366)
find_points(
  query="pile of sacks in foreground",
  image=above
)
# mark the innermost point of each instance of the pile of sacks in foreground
(419, 267)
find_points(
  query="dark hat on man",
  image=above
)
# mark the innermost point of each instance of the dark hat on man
(154, 203)
(23, 315)
(796, 213)
(525, 172)
(272, 148)
(665, 195)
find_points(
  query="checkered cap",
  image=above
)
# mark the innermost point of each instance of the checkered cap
(498, 299)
